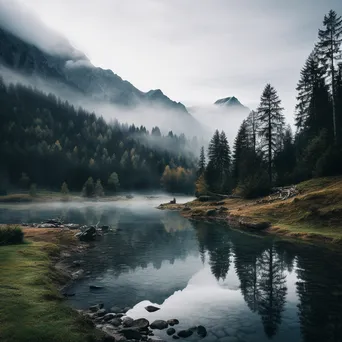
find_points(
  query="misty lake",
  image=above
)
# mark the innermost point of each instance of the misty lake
(241, 287)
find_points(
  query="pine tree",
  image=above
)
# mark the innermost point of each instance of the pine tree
(224, 163)
(113, 182)
(99, 189)
(313, 98)
(201, 163)
(271, 122)
(88, 188)
(330, 39)
(241, 145)
(212, 174)
(214, 149)
(252, 129)
(64, 189)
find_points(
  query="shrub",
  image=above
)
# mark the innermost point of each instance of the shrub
(254, 186)
(11, 236)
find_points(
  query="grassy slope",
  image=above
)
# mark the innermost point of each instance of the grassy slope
(316, 213)
(31, 308)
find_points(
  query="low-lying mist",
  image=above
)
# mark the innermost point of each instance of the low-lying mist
(142, 115)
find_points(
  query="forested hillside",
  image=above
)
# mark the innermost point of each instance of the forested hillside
(45, 141)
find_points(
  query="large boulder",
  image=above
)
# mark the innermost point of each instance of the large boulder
(159, 324)
(115, 322)
(151, 308)
(127, 322)
(141, 324)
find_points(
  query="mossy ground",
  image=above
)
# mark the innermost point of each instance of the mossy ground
(315, 213)
(31, 307)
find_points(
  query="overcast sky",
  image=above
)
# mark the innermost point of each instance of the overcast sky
(196, 51)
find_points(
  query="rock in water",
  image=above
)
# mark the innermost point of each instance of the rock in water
(95, 287)
(170, 331)
(201, 331)
(107, 317)
(151, 308)
(101, 313)
(173, 322)
(115, 322)
(175, 337)
(141, 324)
(127, 321)
(185, 333)
(159, 324)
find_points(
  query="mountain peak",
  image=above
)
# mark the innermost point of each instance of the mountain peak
(231, 101)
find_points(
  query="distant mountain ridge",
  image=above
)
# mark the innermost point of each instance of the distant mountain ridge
(76, 71)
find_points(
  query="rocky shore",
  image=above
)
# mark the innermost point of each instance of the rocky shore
(117, 326)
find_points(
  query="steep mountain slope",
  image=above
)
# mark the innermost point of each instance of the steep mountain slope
(75, 70)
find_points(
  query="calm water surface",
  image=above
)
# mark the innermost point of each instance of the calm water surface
(240, 287)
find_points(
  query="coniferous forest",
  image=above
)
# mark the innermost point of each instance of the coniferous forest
(50, 144)
(266, 152)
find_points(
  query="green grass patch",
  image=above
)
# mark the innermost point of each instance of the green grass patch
(31, 308)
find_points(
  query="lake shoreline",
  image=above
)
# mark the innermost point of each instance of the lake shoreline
(41, 272)
(313, 215)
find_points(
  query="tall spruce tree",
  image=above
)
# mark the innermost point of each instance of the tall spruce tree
(252, 128)
(218, 168)
(201, 162)
(241, 146)
(212, 169)
(225, 163)
(329, 46)
(313, 98)
(271, 122)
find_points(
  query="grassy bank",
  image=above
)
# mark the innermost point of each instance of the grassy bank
(31, 307)
(314, 214)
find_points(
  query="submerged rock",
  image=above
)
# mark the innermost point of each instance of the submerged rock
(95, 287)
(159, 324)
(151, 308)
(185, 333)
(115, 309)
(201, 331)
(170, 331)
(173, 322)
